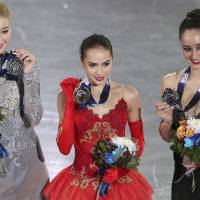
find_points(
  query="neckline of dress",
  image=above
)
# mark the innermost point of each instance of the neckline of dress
(109, 111)
(182, 81)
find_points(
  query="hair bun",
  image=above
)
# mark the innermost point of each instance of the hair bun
(194, 13)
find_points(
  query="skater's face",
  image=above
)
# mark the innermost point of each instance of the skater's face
(98, 65)
(5, 33)
(190, 42)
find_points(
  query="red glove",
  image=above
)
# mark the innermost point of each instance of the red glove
(137, 133)
(65, 138)
(111, 175)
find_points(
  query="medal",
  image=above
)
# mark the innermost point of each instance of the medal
(81, 94)
(171, 97)
(12, 67)
(83, 97)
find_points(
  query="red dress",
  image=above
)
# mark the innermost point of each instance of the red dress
(80, 180)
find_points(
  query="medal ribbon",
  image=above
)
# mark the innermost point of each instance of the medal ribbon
(4, 72)
(181, 87)
(103, 97)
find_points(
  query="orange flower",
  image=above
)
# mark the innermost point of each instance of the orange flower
(183, 123)
(181, 132)
(190, 132)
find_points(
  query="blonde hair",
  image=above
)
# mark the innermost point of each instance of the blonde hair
(4, 11)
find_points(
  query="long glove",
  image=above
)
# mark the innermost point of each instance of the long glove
(137, 133)
(65, 138)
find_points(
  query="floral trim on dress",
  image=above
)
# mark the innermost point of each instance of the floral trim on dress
(82, 180)
(101, 130)
(125, 179)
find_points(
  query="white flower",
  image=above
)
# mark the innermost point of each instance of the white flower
(123, 141)
(194, 124)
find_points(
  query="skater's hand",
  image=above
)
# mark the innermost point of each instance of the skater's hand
(68, 85)
(27, 58)
(164, 111)
(188, 164)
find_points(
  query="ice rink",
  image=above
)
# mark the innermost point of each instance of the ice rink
(144, 34)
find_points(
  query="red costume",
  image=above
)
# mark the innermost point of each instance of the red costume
(84, 129)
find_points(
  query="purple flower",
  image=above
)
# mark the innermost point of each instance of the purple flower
(196, 139)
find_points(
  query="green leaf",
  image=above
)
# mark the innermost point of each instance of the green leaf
(133, 164)
(2, 116)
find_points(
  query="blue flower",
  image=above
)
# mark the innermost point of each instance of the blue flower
(109, 158)
(188, 142)
(113, 156)
(196, 139)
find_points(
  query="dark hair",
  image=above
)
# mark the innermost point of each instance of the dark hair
(192, 21)
(93, 41)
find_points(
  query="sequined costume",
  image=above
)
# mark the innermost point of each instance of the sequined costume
(27, 174)
(80, 180)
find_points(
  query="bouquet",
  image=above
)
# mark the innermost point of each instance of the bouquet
(186, 139)
(3, 153)
(112, 153)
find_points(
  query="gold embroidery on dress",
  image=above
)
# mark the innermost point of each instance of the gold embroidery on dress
(125, 179)
(82, 180)
(101, 130)
(93, 166)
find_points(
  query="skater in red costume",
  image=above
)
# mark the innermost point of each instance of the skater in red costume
(102, 113)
